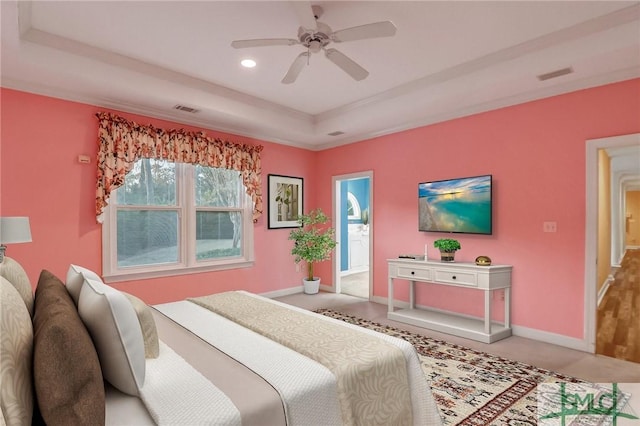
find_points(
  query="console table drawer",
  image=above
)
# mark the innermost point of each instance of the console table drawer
(456, 277)
(413, 273)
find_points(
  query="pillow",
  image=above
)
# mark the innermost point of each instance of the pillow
(75, 278)
(66, 369)
(114, 327)
(16, 348)
(147, 324)
(13, 271)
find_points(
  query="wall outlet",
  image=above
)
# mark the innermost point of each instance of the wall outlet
(550, 226)
(297, 267)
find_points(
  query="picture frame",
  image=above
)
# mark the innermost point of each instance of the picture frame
(285, 201)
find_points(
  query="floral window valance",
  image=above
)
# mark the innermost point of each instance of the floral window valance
(122, 142)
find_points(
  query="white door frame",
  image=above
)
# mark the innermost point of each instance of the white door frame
(335, 196)
(591, 231)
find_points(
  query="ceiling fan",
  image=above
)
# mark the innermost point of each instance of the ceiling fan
(315, 36)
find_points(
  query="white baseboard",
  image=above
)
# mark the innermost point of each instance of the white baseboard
(352, 271)
(283, 292)
(553, 338)
(383, 301)
(294, 290)
(529, 333)
(327, 288)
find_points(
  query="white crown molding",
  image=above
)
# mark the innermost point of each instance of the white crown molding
(583, 29)
(542, 93)
(114, 59)
(258, 118)
(169, 115)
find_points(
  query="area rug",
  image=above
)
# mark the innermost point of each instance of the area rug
(472, 387)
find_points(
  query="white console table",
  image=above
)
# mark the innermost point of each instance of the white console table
(458, 274)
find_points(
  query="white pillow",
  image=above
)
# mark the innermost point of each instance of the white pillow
(116, 333)
(16, 275)
(16, 350)
(75, 277)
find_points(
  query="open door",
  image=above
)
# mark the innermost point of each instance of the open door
(352, 267)
(605, 225)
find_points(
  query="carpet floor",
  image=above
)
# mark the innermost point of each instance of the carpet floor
(472, 387)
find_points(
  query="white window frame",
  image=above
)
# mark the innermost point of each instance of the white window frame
(187, 263)
(355, 205)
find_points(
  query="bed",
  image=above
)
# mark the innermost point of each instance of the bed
(81, 352)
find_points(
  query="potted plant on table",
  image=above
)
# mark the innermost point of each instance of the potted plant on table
(313, 242)
(447, 247)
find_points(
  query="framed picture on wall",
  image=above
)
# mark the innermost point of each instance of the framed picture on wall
(285, 201)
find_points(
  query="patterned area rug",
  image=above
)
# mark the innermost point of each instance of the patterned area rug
(472, 387)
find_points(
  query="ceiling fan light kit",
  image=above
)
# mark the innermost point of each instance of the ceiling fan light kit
(315, 36)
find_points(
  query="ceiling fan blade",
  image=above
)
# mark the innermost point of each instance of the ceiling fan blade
(295, 68)
(262, 42)
(377, 29)
(305, 14)
(346, 64)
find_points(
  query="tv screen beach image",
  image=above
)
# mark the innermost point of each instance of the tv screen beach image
(456, 205)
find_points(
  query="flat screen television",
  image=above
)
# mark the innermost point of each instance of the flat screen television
(460, 205)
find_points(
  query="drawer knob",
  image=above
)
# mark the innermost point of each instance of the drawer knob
(453, 277)
(413, 272)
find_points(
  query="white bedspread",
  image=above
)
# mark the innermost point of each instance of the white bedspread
(312, 401)
(425, 410)
(175, 393)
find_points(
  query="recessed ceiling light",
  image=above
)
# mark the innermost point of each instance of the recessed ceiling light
(248, 63)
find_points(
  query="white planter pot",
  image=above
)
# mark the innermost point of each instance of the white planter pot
(311, 287)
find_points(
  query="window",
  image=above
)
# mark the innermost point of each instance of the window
(176, 218)
(353, 207)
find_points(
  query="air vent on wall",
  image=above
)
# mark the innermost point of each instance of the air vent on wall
(554, 74)
(186, 109)
(336, 133)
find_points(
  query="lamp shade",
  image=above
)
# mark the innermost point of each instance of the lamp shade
(14, 230)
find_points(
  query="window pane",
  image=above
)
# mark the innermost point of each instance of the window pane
(147, 237)
(218, 234)
(150, 183)
(217, 187)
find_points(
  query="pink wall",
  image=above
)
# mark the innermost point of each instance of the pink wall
(41, 139)
(535, 152)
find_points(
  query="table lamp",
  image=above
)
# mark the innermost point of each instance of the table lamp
(13, 230)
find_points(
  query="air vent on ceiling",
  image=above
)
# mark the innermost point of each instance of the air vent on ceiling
(336, 133)
(186, 109)
(554, 74)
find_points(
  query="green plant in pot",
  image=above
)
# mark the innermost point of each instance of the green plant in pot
(447, 247)
(313, 242)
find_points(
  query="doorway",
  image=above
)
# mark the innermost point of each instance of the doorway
(352, 210)
(603, 247)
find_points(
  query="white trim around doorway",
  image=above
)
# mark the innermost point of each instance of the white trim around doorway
(335, 192)
(591, 228)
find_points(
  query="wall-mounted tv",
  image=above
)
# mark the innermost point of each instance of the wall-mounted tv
(460, 205)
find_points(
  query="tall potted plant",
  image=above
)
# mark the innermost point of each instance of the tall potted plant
(313, 242)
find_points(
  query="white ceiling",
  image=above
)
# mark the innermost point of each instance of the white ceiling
(448, 59)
